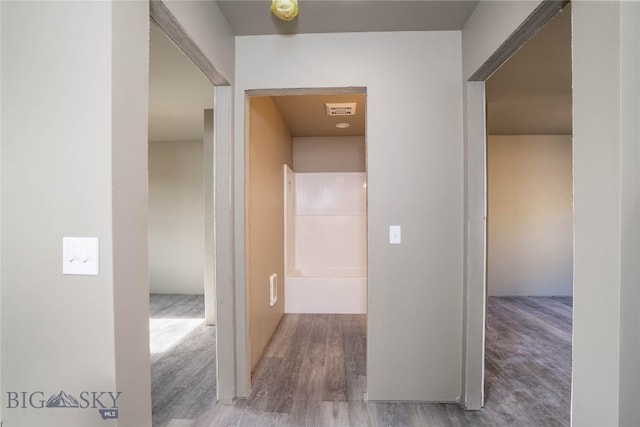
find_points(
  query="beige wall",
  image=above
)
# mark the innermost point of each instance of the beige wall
(415, 179)
(629, 389)
(270, 147)
(606, 89)
(329, 154)
(530, 216)
(75, 165)
(176, 217)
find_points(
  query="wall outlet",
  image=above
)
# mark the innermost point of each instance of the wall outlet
(273, 289)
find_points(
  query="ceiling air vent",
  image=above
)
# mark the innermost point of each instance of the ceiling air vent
(341, 109)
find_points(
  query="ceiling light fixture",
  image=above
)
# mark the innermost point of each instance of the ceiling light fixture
(286, 10)
(342, 125)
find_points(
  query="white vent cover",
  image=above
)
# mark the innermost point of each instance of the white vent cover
(341, 109)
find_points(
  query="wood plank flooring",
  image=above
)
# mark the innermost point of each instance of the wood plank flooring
(183, 383)
(313, 373)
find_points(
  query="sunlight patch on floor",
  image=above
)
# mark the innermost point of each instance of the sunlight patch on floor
(165, 334)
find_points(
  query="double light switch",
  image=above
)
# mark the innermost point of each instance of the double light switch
(80, 255)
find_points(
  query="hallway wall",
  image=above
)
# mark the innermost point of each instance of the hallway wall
(629, 389)
(606, 346)
(415, 179)
(176, 217)
(75, 165)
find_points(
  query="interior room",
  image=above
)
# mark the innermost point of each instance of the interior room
(74, 165)
(182, 343)
(306, 250)
(530, 230)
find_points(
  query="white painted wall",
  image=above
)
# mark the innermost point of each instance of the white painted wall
(206, 25)
(630, 177)
(176, 217)
(129, 182)
(415, 179)
(606, 347)
(80, 71)
(0, 208)
(208, 172)
(597, 198)
(329, 154)
(530, 215)
(225, 265)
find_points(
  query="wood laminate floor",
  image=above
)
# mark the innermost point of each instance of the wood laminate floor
(183, 365)
(313, 373)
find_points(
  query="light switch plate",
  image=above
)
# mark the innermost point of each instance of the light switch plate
(80, 255)
(395, 235)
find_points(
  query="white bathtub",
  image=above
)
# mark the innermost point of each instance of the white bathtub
(340, 291)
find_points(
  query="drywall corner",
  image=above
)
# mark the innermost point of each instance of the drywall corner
(129, 199)
(597, 213)
(630, 249)
(208, 171)
(223, 221)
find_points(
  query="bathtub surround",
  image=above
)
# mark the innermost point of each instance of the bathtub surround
(270, 147)
(326, 269)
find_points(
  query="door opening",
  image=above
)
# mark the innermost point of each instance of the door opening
(530, 225)
(476, 203)
(182, 316)
(306, 223)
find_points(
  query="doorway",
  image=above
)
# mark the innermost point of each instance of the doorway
(530, 227)
(306, 223)
(182, 332)
(520, 261)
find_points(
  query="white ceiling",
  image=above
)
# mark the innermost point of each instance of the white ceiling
(178, 92)
(253, 17)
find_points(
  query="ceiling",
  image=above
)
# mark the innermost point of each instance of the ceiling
(531, 93)
(305, 115)
(178, 92)
(247, 17)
